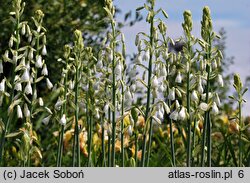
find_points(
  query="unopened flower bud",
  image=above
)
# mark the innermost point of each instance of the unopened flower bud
(26, 111)
(2, 86)
(220, 80)
(1, 67)
(146, 55)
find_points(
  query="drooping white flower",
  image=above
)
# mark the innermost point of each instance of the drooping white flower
(200, 88)
(130, 132)
(106, 108)
(99, 64)
(203, 106)
(178, 78)
(71, 85)
(40, 101)
(18, 86)
(97, 114)
(138, 59)
(182, 114)
(160, 115)
(2, 86)
(220, 80)
(1, 66)
(165, 54)
(171, 95)
(44, 50)
(133, 88)
(39, 62)
(163, 71)
(146, 55)
(26, 111)
(155, 82)
(23, 29)
(19, 112)
(155, 93)
(215, 109)
(11, 42)
(127, 97)
(26, 76)
(28, 89)
(63, 120)
(161, 88)
(58, 104)
(177, 105)
(194, 96)
(132, 73)
(118, 69)
(204, 95)
(174, 115)
(217, 99)
(45, 70)
(49, 84)
(46, 120)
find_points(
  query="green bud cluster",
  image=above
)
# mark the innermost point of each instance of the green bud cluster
(206, 23)
(188, 23)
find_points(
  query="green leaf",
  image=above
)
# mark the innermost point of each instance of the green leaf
(14, 134)
(245, 90)
(140, 8)
(164, 13)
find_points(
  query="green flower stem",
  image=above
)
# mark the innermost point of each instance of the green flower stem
(63, 111)
(109, 141)
(149, 140)
(148, 88)
(169, 103)
(189, 153)
(240, 133)
(76, 147)
(103, 143)
(90, 139)
(10, 118)
(113, 96)
(206, 125)
(136, 147)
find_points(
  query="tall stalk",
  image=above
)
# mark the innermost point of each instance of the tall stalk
(18, 8)
(187, 27)
(64, 107)
(150, 63)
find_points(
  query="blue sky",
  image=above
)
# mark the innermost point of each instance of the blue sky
(233, 15)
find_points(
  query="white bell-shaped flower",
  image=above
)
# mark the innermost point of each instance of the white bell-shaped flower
(39, 62)
(220, 80)
(138, 59)
(203, 106)
(215, 109)
(155, 82)
(146, 55)
(26, 76)
(46, 120)
(18, 86)
(182, 114)
(63, 120)
(44, 50)
(174, 115)
(171, 95)
(2, 86)
(49, 84)
(19, 112)
(178, 78)
(45, 70)
(28, 89)
(194, 96)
